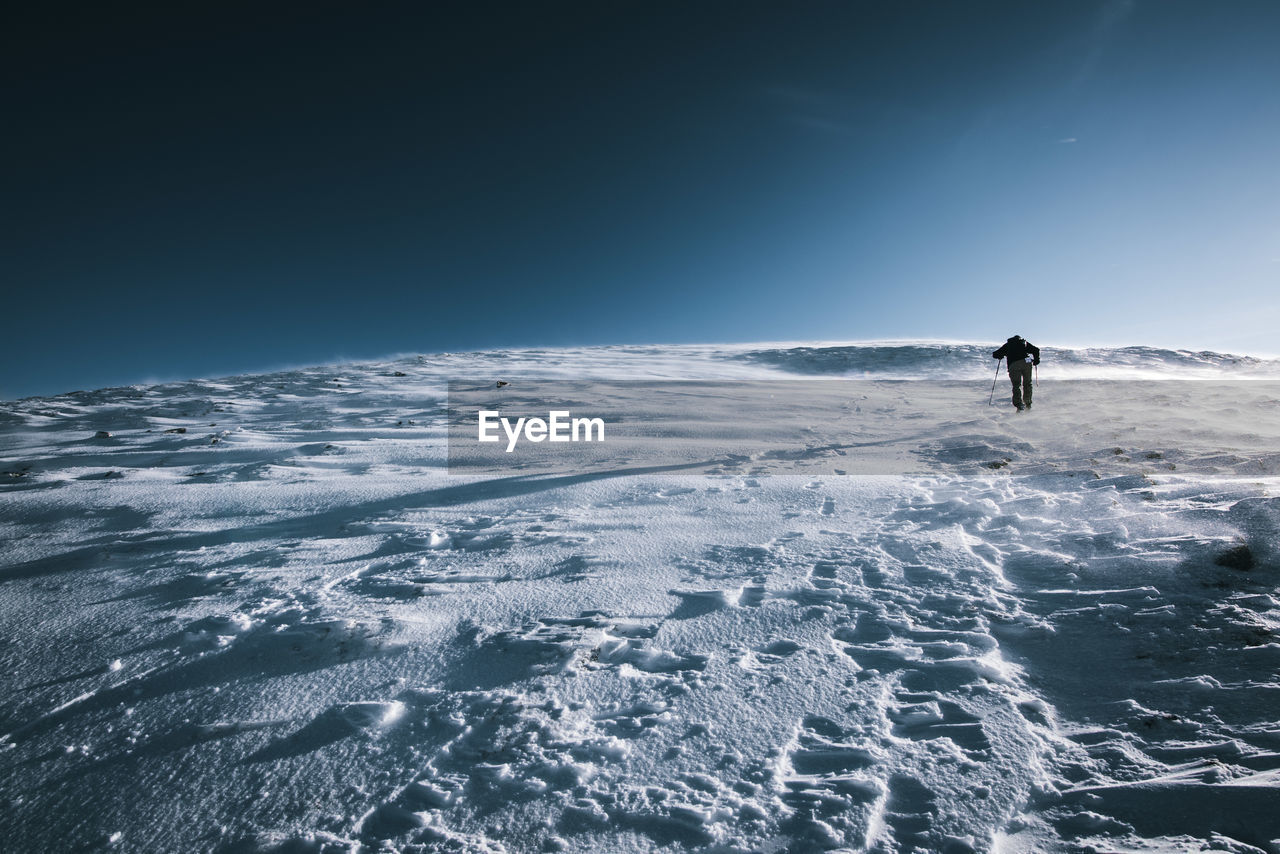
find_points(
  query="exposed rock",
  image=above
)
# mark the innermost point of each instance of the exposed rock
(1239, 557)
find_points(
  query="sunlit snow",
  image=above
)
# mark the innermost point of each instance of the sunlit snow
(257, 614)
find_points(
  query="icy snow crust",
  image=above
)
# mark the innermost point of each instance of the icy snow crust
(288, 629)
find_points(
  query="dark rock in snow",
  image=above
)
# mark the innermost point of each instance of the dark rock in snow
(102, 434)
(1239, 557)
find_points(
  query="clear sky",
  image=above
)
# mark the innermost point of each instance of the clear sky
(205, 189)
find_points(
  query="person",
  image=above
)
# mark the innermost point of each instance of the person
(1022, 356)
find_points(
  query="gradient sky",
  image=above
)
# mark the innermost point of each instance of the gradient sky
(216, 188)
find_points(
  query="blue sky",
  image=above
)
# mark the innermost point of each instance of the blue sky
(206, 191)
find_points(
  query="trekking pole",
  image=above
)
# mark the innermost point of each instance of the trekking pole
(994, 380)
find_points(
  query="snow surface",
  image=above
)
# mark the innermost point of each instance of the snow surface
(260, 616)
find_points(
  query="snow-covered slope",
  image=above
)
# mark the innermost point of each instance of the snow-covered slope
(260, 615)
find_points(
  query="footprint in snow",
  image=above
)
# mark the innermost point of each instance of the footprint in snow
(930, 717)
(752, 595)
(830, 799)
(909, 811)
(695, 603)
(777, 651)
(578, 567)
(823, 575)
(672, 492)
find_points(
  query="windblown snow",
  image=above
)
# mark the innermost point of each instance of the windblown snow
(257, 614)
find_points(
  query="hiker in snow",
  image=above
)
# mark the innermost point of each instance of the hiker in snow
(1022, 356)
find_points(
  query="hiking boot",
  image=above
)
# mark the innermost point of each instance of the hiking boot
(1019, 407)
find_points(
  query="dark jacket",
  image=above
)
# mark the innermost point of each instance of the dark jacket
(1016, 349)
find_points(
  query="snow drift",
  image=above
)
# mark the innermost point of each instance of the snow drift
(256, 614)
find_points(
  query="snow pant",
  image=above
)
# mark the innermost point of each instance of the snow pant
(1020, 376)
